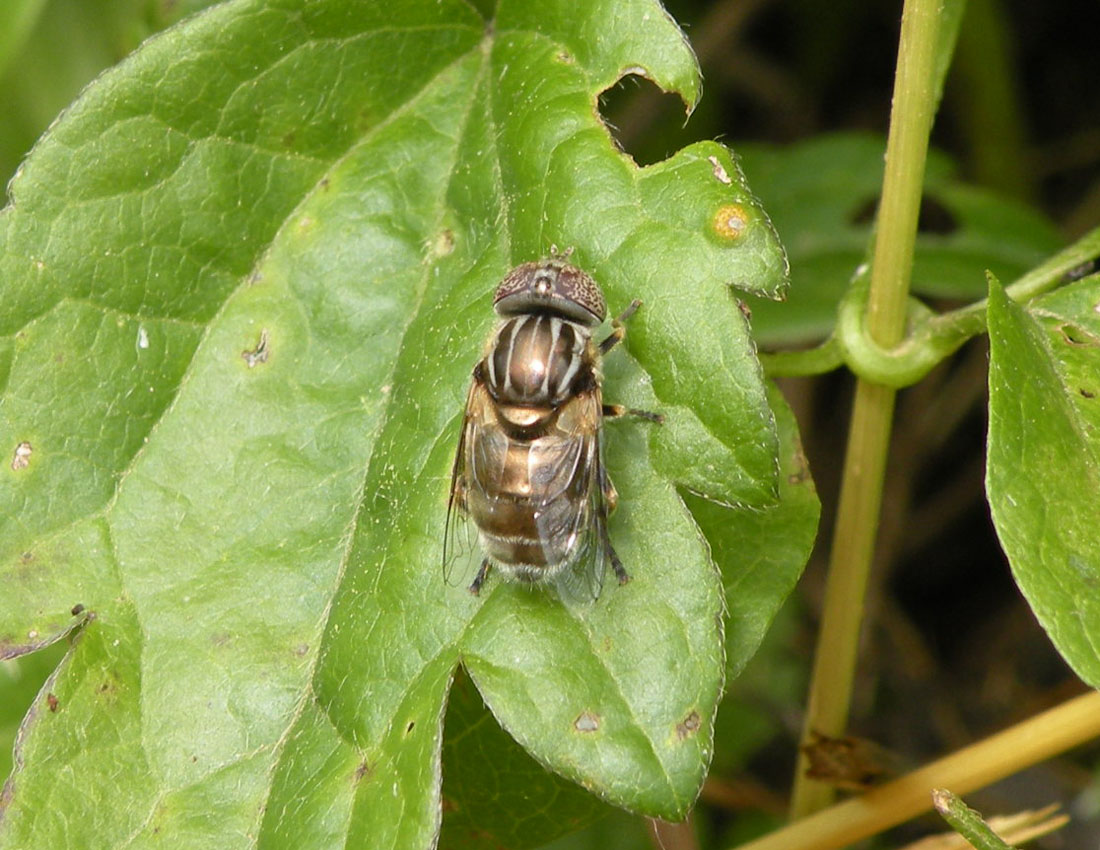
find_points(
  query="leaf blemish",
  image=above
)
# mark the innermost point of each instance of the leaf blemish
(443, 243)
(587, 722)
(729, 222)
(1087, 393)
(22, 457)
(688, 726)
(259, 354)
(719, 172)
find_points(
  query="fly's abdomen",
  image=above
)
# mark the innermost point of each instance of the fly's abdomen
(535, 360)
(529, 501)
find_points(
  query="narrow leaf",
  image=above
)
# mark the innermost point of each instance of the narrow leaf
(1043, 477)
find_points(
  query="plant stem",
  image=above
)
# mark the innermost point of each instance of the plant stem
(872, 413)
(1036, 739)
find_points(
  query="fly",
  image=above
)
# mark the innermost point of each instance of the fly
(529, 468)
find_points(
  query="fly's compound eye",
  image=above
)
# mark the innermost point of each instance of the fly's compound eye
(551, 286)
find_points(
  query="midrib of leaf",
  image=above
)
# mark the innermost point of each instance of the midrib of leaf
(402, 354)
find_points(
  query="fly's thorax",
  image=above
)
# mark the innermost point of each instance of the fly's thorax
(536, 360)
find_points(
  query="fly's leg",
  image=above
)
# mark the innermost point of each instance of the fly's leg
(479, 579)
(618, 327)
(618, 331)
(607, 504)
(612, 411)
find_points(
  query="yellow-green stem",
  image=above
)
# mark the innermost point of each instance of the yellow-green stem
(872, 412)
(1036, 739)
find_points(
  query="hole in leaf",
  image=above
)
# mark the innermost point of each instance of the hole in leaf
(933, 217)
(254, 356)
(587, 722)
(21, 458)
(644, 121)
(1078, 336)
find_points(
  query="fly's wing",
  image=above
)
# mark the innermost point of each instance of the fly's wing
(576, 512)
(461, 552)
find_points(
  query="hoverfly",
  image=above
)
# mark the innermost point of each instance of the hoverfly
(529, 469)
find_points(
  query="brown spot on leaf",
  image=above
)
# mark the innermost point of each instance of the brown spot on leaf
(688, 726)
(259, 354)
(587, 722)
(1087, 393)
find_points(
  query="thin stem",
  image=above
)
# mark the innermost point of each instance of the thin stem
(809, 361)
(967, 822)
(872, 414)
(931, 338)
(1036, 739)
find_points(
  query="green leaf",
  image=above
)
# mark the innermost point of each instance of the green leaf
(947, 34)
(20, 681)
(1043, 477)
(246, 278)
(761, 553)
(494, 794)
(822, 195)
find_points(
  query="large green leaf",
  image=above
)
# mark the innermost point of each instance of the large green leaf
(761, 553)
(1043, 477)
(246, 278)
(822, 195)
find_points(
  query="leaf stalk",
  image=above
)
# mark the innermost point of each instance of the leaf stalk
(931, 338)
